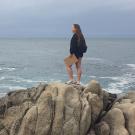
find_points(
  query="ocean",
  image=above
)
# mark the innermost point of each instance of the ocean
(25, 62)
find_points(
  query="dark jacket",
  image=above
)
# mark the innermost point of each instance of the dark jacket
(74, 47)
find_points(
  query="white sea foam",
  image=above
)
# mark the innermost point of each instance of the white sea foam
(53, 80)
(120, 83)
(92, 76)
(9, 87)
(2, 94)
(7, 68)
(93, 59)
(10, 69)
(19, 79)
(115, 91)
(116, 78)
(28, 80)
(131, 65)
(2, 78)
(16, 87)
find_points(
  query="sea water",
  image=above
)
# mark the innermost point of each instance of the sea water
(25, 62)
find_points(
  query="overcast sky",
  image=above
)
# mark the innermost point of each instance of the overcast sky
(54, 18)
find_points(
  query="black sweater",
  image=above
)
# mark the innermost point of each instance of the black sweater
(74, 48)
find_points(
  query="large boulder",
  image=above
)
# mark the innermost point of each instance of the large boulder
(93, 87)
(61, 109)
(128, 110)
(115, 119)
(121, 116)
(102, 128)
(54, 109)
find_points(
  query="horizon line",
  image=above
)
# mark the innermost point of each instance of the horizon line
(13, 37)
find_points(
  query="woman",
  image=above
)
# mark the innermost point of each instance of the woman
(77, 47)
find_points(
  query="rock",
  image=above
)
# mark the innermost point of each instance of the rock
(93, 87)
(51, 109)
(92, 132)
(115, 119)
(86, 116)
(29, 122)
(121, 116)
(96, 107)
(102, 128)
(4, 132)
(61, 109)
(130, 95)
(128, 110)
(105, 99)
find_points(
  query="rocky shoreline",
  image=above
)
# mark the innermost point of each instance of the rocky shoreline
(61, 109)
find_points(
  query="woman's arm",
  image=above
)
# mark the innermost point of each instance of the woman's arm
(73, 44)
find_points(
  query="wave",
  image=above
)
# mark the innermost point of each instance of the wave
(93, 59)
(131, 66)
(92, 76)
(9, 88)
(116, 78)
(7, 69)
(113, 88)
(16, 87)
(2, 94)
(121, 83)
(12, 87)
(53, 80)
(19, 79)
(2, 78)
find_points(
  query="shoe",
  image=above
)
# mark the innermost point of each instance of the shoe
(77, 83)
(70, 82)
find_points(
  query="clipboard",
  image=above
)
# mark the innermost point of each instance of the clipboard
(71, 59)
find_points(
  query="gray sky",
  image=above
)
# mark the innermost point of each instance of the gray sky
(54, 18)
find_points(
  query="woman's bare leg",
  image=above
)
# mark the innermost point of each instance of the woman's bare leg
(70, 72)
(79, 69)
